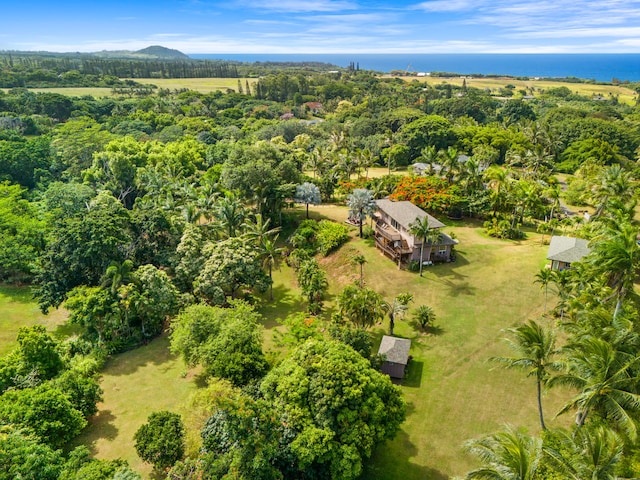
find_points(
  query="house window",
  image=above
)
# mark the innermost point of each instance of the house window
(394, 224)
(442, 250)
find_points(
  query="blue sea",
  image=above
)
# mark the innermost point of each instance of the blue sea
(598, 67)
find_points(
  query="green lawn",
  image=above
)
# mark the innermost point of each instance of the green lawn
(135, 384)
(18, 309)
(453, 392)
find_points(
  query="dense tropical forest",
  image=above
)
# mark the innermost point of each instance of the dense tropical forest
(157, 213)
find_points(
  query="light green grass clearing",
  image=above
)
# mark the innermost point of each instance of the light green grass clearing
(18, 309)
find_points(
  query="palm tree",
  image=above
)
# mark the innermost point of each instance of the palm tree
(425, 316)
(544, 277)
(421, 229)
(360, 260)
(616, 255)
(507, 455)
(308, 193)
(534, 346)
(606, 379)
(614, 182)
(362, 306)
(257, 230)
(587, 453)
(361, 205)
(230, 214)
(270, 254)
(118, 274)
(397, 308)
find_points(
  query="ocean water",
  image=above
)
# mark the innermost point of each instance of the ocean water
(598, 67)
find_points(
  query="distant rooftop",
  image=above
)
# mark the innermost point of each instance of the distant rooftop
(567, 249)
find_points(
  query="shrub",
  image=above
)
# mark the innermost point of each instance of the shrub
(160, 441)
(330, 236)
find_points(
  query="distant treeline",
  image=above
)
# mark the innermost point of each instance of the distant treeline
(33, 70)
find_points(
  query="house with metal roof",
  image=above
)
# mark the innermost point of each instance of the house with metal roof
(563, 251)
(396, 352)
(393, 237)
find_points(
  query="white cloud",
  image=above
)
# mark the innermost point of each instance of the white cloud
(298, 6)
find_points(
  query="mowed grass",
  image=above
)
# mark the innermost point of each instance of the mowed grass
(202, 85)
(136, 384)
(18, 309)
(453, 391)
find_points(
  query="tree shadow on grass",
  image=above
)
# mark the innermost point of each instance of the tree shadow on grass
(155, 353)
(435, 330)
(413, 375)
(100, 426)
(285, 302)
(392, 460)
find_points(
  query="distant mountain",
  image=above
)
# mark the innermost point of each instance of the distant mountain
(158, 51)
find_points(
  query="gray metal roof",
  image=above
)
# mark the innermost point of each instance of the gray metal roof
(395, 349)
(567, 249)
(405, 213)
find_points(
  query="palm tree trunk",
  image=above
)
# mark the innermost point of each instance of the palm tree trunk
(391, 324)
(544, 427)
(271, 285)
(421, 260)
(307, 210)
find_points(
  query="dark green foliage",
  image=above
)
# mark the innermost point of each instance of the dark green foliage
(81, 466)
(45, 410)
(160, 441)
(336, 406)
(25, 162)
(81, 248)
(83, 392)
(22, 456)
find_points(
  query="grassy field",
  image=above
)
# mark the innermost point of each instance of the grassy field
(454, 393)
(135, 384)
(206, 85)
(18, 309)
(624, 94)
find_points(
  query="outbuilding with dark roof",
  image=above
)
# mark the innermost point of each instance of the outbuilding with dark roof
(396, 352)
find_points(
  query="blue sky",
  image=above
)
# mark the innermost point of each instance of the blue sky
(325, 26)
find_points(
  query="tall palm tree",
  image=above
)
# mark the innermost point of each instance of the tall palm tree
(506, 455)
(361, 205)
(421, 229)
(613, 182)
(534, 346)
(544, 277)
(270, 254)
(606, 379)
(257, 230)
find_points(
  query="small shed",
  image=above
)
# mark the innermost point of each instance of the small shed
(396, 351)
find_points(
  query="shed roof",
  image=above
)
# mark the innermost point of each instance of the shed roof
(567, 249)
(395, 349)
(405, 213)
